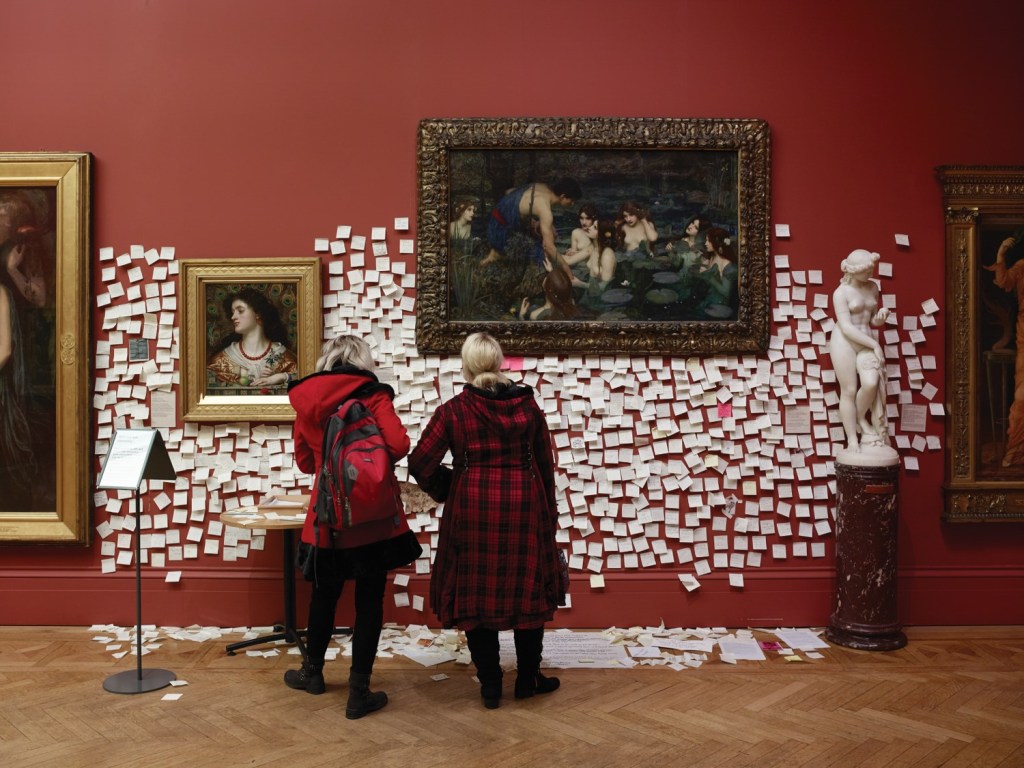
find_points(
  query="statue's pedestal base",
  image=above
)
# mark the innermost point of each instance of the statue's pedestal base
(866, 524)
(865, 640)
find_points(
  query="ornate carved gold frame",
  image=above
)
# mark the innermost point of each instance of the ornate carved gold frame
(978, 202)
(68, 173)
(196, 276)
(436, 331)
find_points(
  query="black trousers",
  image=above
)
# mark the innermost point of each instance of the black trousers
(485, 651)
(333, 568)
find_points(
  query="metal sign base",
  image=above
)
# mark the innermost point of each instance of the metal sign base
(139, 681)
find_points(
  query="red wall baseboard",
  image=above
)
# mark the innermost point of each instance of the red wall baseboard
(772, 597)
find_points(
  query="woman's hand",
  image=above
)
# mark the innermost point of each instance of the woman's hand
(525, 305)
(273, 380)
(15, 257)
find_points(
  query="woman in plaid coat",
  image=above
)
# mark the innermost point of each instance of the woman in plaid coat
(496, 565)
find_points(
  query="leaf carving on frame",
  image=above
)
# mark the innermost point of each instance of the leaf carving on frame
(67, 349)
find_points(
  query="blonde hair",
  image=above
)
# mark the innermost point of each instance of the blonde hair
(481, 361)
(346, 349)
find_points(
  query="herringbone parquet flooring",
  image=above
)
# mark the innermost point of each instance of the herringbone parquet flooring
(952, 697)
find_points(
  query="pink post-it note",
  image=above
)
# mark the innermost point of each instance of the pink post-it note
(513, 363)
(725, 410)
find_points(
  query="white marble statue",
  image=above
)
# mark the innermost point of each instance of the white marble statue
(859, 363)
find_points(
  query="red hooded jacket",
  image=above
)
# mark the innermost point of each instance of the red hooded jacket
(314, 399)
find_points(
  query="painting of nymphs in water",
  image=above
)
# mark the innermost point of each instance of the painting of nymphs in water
(650, 239)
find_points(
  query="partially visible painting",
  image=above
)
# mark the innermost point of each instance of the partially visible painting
(984, 208)
(594, 234)
(251, 326)
(44, 348)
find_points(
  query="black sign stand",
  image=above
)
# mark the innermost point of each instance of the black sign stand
(136, 455)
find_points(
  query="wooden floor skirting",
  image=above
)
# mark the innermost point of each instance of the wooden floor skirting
(953, 697)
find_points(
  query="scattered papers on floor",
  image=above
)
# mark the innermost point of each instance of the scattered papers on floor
(613, 648)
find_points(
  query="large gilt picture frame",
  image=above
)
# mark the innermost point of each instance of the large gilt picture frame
(45, 449)
(635, 236)
(984, 210)
(249, 327)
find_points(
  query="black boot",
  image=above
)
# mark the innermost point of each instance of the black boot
(486, 654)
(490, 688)
(529, 680)
(361, 700)
(527, 686)
(309, 678)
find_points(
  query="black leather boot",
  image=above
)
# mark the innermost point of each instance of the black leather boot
(361, 700)
(309, 678)
(485, 651)
(529, 649)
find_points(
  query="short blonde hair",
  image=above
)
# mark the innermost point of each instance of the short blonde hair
(345, 349)
(482, 360)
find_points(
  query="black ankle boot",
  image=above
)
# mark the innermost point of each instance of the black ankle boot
(309, 678)
(529, 684)
(361, 700)
(490, 689)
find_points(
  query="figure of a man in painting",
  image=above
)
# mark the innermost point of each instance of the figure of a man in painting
(27, 377)
(522, 228)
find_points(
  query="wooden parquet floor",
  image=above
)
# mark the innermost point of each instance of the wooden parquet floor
(953, 697)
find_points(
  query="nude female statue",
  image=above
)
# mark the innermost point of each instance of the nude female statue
(857, 357)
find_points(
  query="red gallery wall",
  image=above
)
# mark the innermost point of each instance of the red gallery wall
(243, 128)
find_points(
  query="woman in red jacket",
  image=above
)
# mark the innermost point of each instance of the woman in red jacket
(364, 553)
(496, 565)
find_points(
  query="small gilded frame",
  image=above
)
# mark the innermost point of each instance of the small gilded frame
(249, 327)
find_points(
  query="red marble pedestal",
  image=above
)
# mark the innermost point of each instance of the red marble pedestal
(866, 522)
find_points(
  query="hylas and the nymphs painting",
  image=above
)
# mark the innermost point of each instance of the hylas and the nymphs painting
(984, 207)
(44, 348)
(250, 327)
(594, 234)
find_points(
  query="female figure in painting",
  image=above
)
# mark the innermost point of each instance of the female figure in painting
(460, 231)
(497, 564)
(1012, 279)
(636, 231)
(558, 300)
(856, 354)
(21, 282)
(691, 247)
(718, 269)
(581, 243)
(16, 455)
(256, 354)
(601, 265)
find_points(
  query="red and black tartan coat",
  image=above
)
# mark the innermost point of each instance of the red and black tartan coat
(496, 564)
